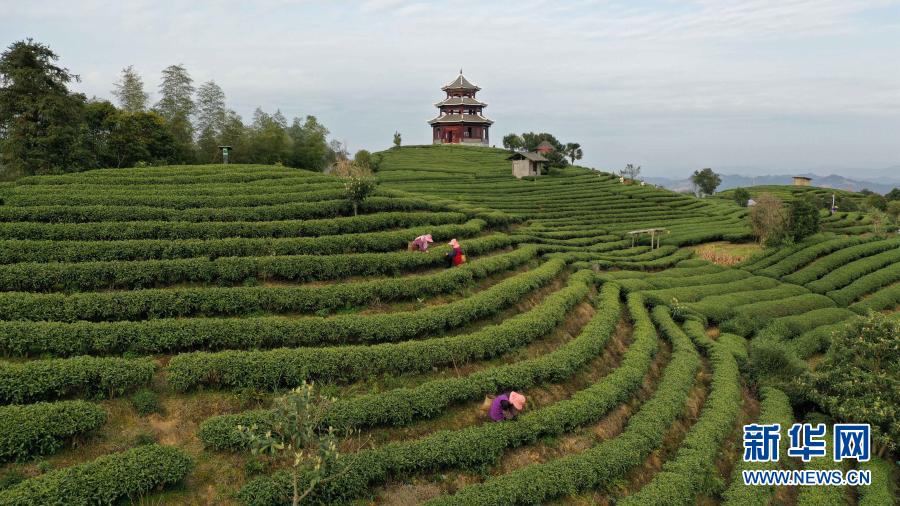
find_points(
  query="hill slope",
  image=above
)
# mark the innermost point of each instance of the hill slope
(211, 289)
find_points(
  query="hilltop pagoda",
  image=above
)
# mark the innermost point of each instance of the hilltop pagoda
(460, 119)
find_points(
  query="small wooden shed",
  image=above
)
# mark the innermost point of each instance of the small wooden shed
(802, 180)
(526, 164)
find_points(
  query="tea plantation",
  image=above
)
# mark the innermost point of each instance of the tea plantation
(146, 313)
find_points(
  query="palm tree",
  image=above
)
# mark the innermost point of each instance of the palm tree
(573, 151)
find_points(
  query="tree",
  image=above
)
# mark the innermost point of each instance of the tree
(138, 137)
(176, 104)
(893, 210)
(573, 151)
(857, 381)
(845, 203)
(397, 139)
(359, 183)
(310, 148)
(363, 158)
(804, 219)
(297, 437)
(210, 114)
(894, 194)
(98, 131)
(268, 139)
(130, 91)
(875, 201)
(339, 150)
(234, 134)
(41, 123)
(768, 219)
(879, 218)
(513, 142)
(706, 180)
(630, 172)
(741, 196)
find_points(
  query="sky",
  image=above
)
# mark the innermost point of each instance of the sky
(742, 86)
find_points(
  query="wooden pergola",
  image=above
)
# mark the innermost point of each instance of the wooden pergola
(654, 233)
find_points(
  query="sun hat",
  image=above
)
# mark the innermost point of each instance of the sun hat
(454, 243)
(517, 400)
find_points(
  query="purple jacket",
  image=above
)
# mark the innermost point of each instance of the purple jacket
(496, 412)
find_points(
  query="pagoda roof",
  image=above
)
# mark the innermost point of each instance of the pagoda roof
(546, 145)
(461, 118)
(460, 101)
(460, 83)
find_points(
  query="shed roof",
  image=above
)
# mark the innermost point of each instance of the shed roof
(803, 177)
(534, 157)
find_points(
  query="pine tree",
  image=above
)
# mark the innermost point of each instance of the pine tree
(41, 124)
(130, 91)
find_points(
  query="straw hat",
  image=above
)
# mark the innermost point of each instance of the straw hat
(517, 400)
(453, 243)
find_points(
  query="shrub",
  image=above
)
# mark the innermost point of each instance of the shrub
(692, 472)
(165, 249)
(289, 367)
(857, 382)
(804, 219)
(846, 274)
(403, 405)
(84, 376)
(212, 301)
(226, 270)
(42, 428)
(741, 196)
(145, 402)
(607, 461)
(168, 335)
(473, 447)
(775, 407)
(104, 480)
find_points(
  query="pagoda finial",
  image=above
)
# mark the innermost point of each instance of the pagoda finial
(460, 71)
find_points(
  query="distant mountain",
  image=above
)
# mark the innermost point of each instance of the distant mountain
(833, 181)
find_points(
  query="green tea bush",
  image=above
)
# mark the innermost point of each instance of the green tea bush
(220, 301)
(829, 263)
(105, 480)
(170, 335)
(609, 460)
(692, 472)
(149, 229)
(227, 270)
(753, 316)
(719, 308)
(288, 367)
(44, 427)
(774, 407)
(83, 376)
(886, 298)
(165, 249)
(403, 405)
(145, 402)
(473, 447)
(846, 274)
